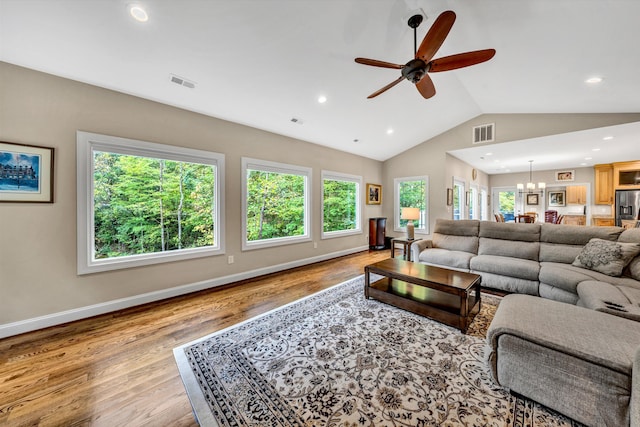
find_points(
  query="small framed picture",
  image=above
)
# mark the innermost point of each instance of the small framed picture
(449, 196)
(26, 173)
(532, 199)
(563, 176)
(556, 199)
(374, 194)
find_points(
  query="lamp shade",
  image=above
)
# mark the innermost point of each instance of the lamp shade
(410, 213)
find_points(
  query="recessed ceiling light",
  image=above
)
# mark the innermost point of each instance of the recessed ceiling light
(588, 158)
(596, 149)
(583, 164)
(489, 154)
(593, 80)
(607, 138)
(322, 99)
(389, 131)
(138, 13)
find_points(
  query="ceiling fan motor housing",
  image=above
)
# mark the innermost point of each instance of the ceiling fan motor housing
(414, 70)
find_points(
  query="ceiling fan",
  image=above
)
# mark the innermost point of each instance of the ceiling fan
(416, 70)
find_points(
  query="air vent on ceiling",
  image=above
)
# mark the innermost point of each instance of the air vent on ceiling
(182, 82)
(296, 120)
(483, 133)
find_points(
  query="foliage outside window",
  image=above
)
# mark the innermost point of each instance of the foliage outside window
(458, 199)
(142, 203)
(340, 204)
(276, 203)
(411, 192)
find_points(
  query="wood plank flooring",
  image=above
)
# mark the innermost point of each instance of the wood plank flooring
(118, 369)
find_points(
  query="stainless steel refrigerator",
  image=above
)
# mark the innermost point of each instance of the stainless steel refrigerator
(627, 205)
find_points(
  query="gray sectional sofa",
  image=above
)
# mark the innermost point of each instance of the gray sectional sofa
(576, 349)
(535, 259)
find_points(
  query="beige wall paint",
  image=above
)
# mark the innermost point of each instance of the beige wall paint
(431, 158)
(38, 241)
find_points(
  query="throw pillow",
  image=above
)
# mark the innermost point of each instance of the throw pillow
(606, 257)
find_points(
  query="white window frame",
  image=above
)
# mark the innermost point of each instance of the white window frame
(396, 204)
(474, 202)
(337, 176)
(484, 203)
(283, 168)
(86, 144)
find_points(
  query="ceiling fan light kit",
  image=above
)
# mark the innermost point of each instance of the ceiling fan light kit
(417, 70)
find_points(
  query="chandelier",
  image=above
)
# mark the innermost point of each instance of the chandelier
(531, 187)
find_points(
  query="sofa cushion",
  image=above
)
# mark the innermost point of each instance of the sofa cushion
(617, 300)
(455, 243)
(606, 257)
(506, 266)
(559, 252)
(631, 235)
(508, 284)
(464, 227)
(509, 248)
(507, 231)
(567, 276)
(575, 234)
(557, 294)
(446, 258)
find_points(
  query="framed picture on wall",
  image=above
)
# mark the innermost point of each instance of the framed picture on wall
(532, 199)
(563, 176)
(26, 173)
(556, 199)
(374, 194)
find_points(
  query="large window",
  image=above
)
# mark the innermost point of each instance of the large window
(340, 204)
(412, 192)
(275, 204)
(142, 203)
(458, 198)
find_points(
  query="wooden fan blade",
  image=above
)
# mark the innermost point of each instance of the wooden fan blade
(460, 60)
(387, 87)
(436, 35)
(425, 87)
(377, 63)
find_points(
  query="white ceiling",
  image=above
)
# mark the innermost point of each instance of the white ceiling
(263, 62)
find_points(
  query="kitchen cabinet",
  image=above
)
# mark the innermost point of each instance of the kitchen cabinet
(576, 195)
(626, 175)
(604, 184)
(603, 221)
(574, 220)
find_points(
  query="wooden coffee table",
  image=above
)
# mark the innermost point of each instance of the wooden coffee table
(448, 296)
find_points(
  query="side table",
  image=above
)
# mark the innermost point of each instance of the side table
(406, 247)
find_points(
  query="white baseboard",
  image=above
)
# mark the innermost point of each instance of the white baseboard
(28, 325)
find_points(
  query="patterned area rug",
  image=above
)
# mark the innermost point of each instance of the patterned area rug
(337, 359)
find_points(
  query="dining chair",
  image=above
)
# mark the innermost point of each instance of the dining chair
(525, 218)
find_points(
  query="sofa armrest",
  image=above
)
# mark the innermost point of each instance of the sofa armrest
(419, 246)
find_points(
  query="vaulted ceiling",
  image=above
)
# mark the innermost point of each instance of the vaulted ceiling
(263, 63)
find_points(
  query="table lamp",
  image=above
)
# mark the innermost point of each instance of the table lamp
(410, 214)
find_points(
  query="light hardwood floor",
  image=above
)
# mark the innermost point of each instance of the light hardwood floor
(118, 369)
